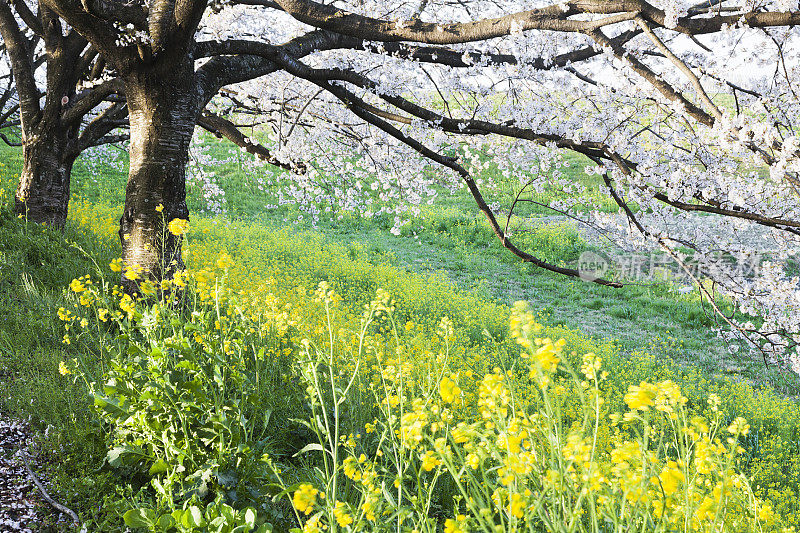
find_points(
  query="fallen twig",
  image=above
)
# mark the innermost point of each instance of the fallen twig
(57, 506)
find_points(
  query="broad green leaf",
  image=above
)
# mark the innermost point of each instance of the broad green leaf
(125, 455)
(110, 407)
(165, 522)
(158, 467)
(250, 517)
(139, 518)
(192, 517)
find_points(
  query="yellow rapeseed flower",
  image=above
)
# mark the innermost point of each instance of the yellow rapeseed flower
(343, 518)
(473, 461)
(351, 469)
(459, 525)
(449, 390)
(739, 426)
(178, 226)
(765, 513)
(516, 505)
(313, 525)
(224, 262)
(127, 304)
(429, 461)
(116, 265)
(547, 355)
(179, 278)
(641, 397)
(304, 498)
(62, 369)
(671, 476)
(132, 272)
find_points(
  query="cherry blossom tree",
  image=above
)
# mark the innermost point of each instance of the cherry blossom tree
(684, 110)
(86, 106)
(59, 101)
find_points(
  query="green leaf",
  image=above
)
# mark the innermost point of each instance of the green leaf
(135, 349)
(217, 525)
(165, 522)
(110, 407)
(302, 422)
(387, 494)
(158, 467)
(228, 512)
(313, 447)
(125, 455)
(192, 517)
(140, 518)
(188, 365)
(250, 517)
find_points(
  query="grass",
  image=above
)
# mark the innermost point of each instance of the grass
(451, 238)
(449, 243)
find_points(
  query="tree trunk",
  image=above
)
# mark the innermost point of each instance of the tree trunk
(43, 191)
(162, 114)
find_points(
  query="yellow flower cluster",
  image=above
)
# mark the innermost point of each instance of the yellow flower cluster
(449, 391)
(305, 497)
(503, 433)
(178, 226)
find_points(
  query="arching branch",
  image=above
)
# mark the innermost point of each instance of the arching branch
(225, 128)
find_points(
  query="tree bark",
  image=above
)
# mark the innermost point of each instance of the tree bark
(43, 191)
(162, 113)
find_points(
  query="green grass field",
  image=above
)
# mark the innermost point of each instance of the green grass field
(451, 238)
(448, 250)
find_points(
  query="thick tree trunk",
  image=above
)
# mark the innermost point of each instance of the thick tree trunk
(43, 191)
(162, 114)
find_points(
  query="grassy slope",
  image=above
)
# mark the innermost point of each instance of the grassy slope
(450, 240)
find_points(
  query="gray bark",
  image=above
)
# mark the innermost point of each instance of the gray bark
(162, 115)
(43, 191)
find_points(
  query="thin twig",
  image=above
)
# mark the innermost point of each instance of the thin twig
(57, 506)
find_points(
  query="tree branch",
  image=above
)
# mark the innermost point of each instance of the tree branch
(554, 17)
(22, 67)
(360, 109)
(131, 12)
(8, 141)
(27, 16)
(221, 127)
(90, 99)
